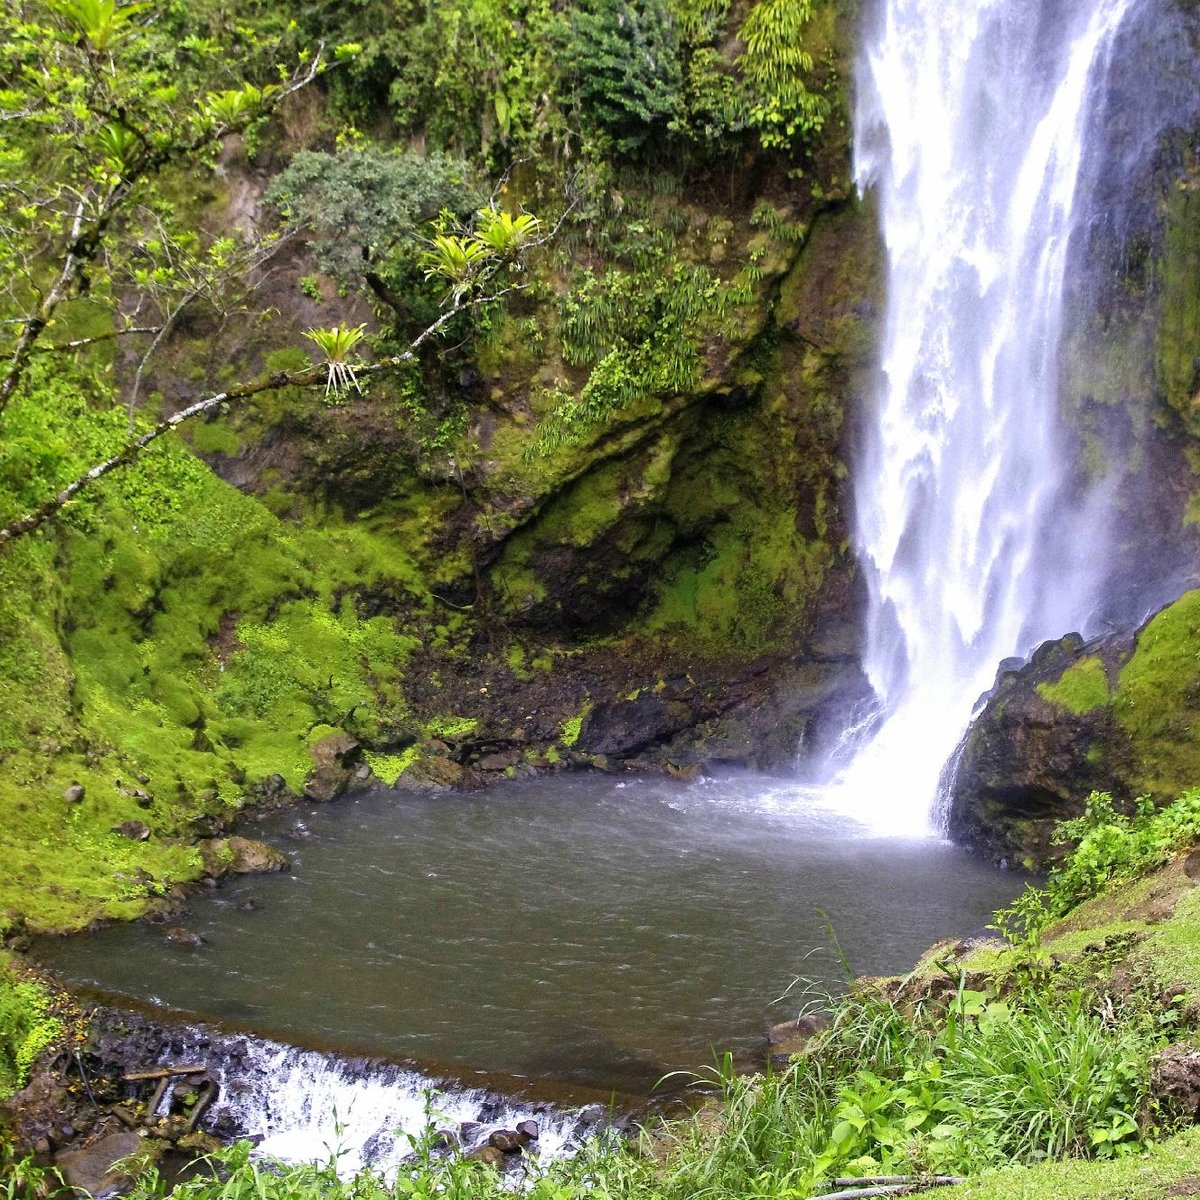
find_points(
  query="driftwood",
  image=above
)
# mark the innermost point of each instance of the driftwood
(124, 1116)
(208, 1093)
(886, 1185)
(161, 1073)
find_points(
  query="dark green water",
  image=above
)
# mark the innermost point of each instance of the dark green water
(585, 929)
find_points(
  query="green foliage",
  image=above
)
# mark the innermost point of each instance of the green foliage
(503, 233)
(1116, 848)
(775, 66)
(621, 58)
(473, 75)
(985, 1082)
(27, 1027)
(641, 335)
(1109, 848)
(362, 210)
(337, 344)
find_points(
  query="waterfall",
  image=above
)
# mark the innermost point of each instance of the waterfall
(971, 129)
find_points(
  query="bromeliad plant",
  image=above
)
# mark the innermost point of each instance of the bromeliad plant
(337, 344)
(466, 259)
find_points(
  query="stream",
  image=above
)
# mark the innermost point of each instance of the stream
(586, 929)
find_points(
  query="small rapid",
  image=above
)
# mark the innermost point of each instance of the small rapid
(971, 128)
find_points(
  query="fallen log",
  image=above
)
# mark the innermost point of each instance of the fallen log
(160, 1073)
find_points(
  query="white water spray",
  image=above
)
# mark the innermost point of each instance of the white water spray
(306, 1106)
(971, 127)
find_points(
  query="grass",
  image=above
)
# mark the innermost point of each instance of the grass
(1170, 1167)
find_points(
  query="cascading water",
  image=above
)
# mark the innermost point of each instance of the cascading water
(971, 128)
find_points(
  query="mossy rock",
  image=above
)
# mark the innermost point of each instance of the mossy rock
(1120, 714)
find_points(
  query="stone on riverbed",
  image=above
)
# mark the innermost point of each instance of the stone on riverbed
(91, 1168)
(335, 757)
(792, 1037)
(240, 856)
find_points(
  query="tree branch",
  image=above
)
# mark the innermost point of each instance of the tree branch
(85, 237)
(308, 377)
(59, 347)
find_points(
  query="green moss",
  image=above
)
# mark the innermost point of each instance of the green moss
(573, 726)
(1191, 516)
(389, 767)
(1082, 687)
(1157, 701)
(451, 727)
(27, 1027)
(1179, 323)
(214, 437)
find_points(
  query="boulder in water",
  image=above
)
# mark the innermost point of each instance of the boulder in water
(240, 856)
(509, 1141)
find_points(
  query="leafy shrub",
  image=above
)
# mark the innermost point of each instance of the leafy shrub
(1111, 847)
(622, 58)
(774, 67)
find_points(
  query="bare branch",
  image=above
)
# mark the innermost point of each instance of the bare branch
(59, 347)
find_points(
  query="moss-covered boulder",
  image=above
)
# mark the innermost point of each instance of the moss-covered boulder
(1119, 714)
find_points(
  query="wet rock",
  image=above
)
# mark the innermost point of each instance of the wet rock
(91, 1168)
(185, 939)
(74, 794)
(499, 761)
(488, 1155)
(251, 857)
(336, 750)
(528, 1130)
(271, 791)
(509, 1141)
(792, 1037)
(1029, 760)
(326, 783)
(623, 727)
(137, 831)
(434, 773)
(336, 758)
